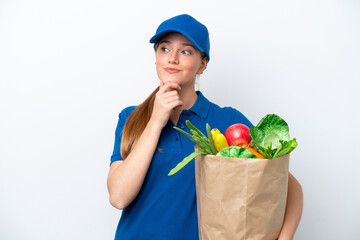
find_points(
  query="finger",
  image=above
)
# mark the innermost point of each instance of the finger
(171, 99)
(171, 93)
(176, 103)
(170, 85)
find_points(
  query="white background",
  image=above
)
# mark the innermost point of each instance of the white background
(67, 68)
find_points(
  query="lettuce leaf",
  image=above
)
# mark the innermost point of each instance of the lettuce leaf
(271, 137)
(235, 152)
(285, 148)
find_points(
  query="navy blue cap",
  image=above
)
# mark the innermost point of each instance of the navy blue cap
(188, 26)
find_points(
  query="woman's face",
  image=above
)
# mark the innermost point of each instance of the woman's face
(178, 60)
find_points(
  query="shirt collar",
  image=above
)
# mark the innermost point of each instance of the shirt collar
(201, 106)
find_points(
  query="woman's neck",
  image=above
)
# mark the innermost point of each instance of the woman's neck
(188, 97)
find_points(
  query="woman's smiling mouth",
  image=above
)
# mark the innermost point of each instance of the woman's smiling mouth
(172, 70)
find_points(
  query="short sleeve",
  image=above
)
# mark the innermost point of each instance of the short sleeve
(116, 156)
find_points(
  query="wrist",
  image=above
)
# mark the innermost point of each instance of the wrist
(154, 125)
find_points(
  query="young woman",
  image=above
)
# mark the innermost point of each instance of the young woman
(155, 206)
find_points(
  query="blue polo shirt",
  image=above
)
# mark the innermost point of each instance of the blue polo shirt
(165, 207)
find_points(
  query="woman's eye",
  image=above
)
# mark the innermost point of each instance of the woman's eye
(164, 49)
(186, 52)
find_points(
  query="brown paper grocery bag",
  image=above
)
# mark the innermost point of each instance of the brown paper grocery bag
(239, 198)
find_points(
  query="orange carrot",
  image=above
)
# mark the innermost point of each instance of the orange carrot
(253, 151)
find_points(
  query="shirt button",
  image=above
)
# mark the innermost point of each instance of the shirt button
(182, 126)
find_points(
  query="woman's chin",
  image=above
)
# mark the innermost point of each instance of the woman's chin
(175, 80)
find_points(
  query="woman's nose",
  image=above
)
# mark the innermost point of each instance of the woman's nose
(173, 58)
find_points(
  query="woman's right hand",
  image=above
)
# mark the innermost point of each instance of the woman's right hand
(167, 100)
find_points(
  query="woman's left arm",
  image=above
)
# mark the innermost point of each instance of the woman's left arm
(293, 212)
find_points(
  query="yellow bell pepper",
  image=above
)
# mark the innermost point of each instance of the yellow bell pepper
(219, 139)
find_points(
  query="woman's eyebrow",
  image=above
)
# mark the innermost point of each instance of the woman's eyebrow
(188, 44)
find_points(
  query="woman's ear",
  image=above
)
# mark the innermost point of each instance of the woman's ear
(203, 66)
